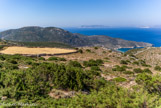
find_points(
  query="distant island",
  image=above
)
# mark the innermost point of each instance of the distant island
(95, 26)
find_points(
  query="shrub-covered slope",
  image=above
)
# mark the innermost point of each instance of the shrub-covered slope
(53, 34)
(94, 77)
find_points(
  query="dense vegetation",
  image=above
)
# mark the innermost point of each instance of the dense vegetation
(31, 80)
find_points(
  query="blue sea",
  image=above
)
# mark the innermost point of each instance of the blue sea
(150, 35)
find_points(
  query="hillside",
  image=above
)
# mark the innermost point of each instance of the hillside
(95, 77)
(151, 55)
(53, 34)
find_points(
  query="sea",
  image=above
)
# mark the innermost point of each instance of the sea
(150, 35)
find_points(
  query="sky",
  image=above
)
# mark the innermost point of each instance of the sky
(73, 13)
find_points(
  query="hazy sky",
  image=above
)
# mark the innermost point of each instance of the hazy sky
(68, 13)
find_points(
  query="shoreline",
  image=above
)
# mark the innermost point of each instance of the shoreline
(128, 48)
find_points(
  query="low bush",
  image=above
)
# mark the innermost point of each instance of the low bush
(147, 71)
(28, 62)
(92, 62)
(157, 68)
(138, 70)
(2, 57)
(106, 58)
(56, 59)
(10, 66)
(128, 72)
(88, 50)
(145, 65)
(12, 61)
(123, 62)
(95, 48)
(136, 63)
(119, 68)
(119, 79)
(132, 56)
(62, 59)
(41, 58)
(80, 51)
(95, 68)
(104, 52)
(75, 64)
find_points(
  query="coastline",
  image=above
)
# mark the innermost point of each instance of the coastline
(126, 49)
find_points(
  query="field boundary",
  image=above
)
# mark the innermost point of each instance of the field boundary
(40, 55)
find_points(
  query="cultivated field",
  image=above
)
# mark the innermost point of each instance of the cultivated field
(25, 50)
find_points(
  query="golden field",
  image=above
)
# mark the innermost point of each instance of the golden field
(26, 50)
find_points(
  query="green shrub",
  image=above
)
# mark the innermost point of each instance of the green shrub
(99, 61)
(12, 61)
(124, 66)
(95, 48)
(80, 51)
(123, 62)
(1, 47)
(16, 57)
(119, 79)
(150, 83)
(132, 55)
(136, 63)
(10, 66)
(106, 58)
(145, 65)
(92, 62)
(29, 62)
(53, 58)
(2, 57)
(33, 85)
(110, 96)
(142, 62)
(147, 71)
(128, 61)
(119, 68)
(39, 80)
(99, 83)
(76, 48)
(95, 68)
(157, 68)
(141, 78)
(104, 52)
(62, 59)
(75, 64)
(128, 72)
(88, 50)
(92, 73)
(138, 70)
(41, 58)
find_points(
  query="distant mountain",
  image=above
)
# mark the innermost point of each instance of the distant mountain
(53, 34)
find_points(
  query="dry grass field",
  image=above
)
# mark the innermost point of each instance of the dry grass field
(24, 50)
